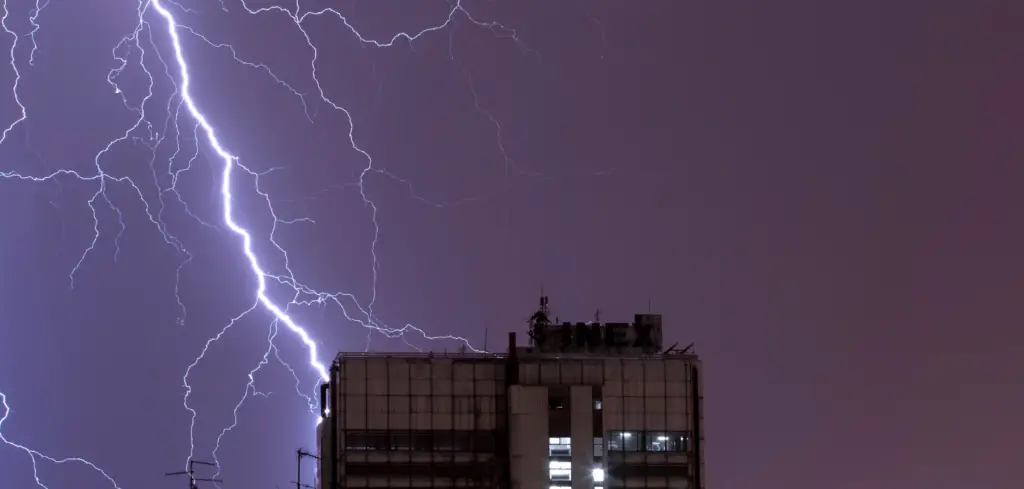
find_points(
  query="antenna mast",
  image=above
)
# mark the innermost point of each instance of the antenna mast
(299, 455)
(540, 320)
(191, 473)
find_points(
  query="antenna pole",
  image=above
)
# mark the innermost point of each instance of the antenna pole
(299, 455)
(191, 473)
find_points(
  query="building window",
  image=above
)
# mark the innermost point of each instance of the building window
(560, 447)
(367, 441)
(442, 441)
(559, 463)
(400, 441)
(666, 441)
(422, 442)
(556, 402)
(559, 471)
(597, 472)
(624, 441)
(483, 442)
(684, 441)
(357, 441)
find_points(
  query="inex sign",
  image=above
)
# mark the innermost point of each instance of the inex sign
(643, 336)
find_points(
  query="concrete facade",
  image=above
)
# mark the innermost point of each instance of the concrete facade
(523, 420)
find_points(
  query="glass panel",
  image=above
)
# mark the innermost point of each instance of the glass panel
(667, 441)
(624, 441)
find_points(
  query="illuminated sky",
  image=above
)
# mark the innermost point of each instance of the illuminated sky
(824, 199)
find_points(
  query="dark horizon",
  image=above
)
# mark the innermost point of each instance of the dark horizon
(824, 198)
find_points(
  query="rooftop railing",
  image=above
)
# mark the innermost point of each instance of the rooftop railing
(424, 355)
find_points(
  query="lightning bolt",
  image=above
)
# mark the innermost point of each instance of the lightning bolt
(17, 73)
(35, 456)
(140, 49)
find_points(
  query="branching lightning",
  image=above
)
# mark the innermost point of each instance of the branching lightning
(36, 456)
(158, 24)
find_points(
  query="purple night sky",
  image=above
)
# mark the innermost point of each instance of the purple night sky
(824, 196)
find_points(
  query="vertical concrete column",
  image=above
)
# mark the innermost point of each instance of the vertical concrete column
(321, 467)
(581, 403)
(528, 430)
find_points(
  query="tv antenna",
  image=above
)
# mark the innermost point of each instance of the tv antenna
(299, 455)
(191, 473)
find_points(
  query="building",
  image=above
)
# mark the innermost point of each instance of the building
(585, 406)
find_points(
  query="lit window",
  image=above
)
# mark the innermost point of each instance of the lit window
(671, 441)
(598, 474)
(560, 475)
(624, 441)
(559, 447)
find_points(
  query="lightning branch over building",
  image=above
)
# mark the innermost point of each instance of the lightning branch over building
(154, 46)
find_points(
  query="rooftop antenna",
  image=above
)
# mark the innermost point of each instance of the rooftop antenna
(485, 341)
(299, 455)
(648, 305)
(541, 318)
(597, 316)
(191, 473)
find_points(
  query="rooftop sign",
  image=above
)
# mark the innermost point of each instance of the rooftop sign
(643, 336)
